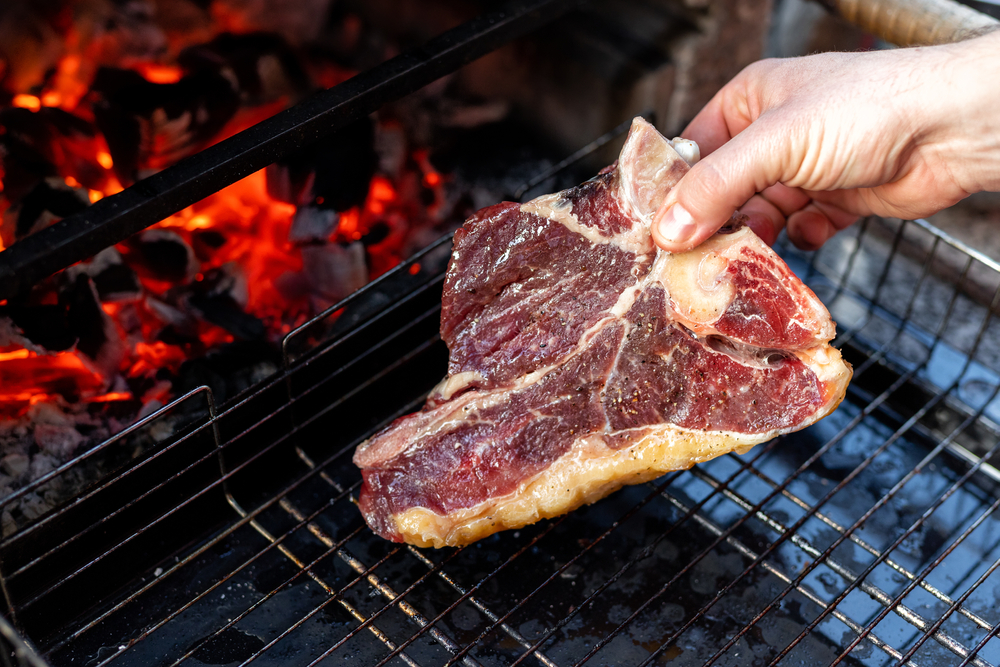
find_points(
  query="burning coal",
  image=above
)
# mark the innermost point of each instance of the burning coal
(109, 95)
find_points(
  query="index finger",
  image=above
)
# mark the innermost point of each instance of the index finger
(709, 128)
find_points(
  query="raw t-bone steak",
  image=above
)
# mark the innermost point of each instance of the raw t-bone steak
(583, 359)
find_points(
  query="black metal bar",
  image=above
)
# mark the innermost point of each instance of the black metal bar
(115, 218)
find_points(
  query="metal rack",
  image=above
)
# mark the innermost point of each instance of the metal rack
(226, 534)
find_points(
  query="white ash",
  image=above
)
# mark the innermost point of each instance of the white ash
(334, 271)
(312, 224)
(35, 444)
(11, 335)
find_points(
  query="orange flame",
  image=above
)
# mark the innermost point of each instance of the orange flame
(25, 101)
(240, 233)
(158, 73)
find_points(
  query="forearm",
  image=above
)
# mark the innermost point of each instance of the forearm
(965, 112)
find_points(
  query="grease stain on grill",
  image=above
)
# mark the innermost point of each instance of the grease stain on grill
(229, 646)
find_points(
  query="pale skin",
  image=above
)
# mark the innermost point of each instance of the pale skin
(814, 143)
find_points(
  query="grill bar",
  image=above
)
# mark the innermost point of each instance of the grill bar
(273, 545)
(437, 569)
(501, 621)
(772, 569)
(115, 218)
(834, 565)
(689, 513)
(871, 590)
(804, 466)
(933, 630)
(979, 647)
(219, 482)
(882, 501)
(363, 573)
(243, 520)
(826, 554)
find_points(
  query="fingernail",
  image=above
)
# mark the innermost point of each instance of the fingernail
(676, 225)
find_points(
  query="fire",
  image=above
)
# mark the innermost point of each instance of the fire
(104, 159)
(51, 98)
(27, 102)
(240, 234)
(159, 73)
(27, 378)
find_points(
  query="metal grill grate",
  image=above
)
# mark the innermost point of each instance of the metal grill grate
(228, 536)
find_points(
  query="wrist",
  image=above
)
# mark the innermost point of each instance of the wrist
(963, 121)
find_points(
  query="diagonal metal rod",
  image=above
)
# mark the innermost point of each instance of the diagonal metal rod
(845, 572)
(115, 218)
(332, 591)
(753, 556)
(957, 604)
(437, 568)
(930, 588)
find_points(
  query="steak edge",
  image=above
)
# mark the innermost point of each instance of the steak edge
(582, 358)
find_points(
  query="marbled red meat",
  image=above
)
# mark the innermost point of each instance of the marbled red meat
(582, 359)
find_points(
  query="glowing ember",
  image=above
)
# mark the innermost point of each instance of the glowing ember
(104, 159)
(27, 102)
(228, 268)
(27, 378)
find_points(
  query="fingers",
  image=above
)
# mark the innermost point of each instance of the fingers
(768, 211)
(732, 109)
(816, 223)
(809, 229)
(715, 187)
(764, 218)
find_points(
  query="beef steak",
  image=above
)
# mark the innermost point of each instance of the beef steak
(582, 359)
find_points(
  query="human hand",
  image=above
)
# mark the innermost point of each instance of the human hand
(825, 139)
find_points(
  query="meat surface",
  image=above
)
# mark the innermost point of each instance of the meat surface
(582, 359)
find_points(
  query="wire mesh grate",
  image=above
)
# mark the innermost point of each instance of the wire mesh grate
(228, 535)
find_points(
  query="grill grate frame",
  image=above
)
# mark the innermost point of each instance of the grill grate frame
(768, 516)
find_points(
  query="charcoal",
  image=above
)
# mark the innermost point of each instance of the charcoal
(379, 232)
(29, 43)
(117, 283)
(230, 369)
(219, 299)
(264, 66)
(205, 242)
(58, 439)
(345, 164)
(290, 182)
(130, 32)
(43, 328)
(312, 224)
(114, 280)
(223, 311)
(33, 143)
(333, 172)
(181, 326)
(174, 335)
(49, 201)
(391, 147)
(151, 125)
(334, 270)
(15, 465)
(163, 255)
(298, 21)
(97, 336)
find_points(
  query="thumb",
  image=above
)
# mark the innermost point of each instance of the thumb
(708, 195)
